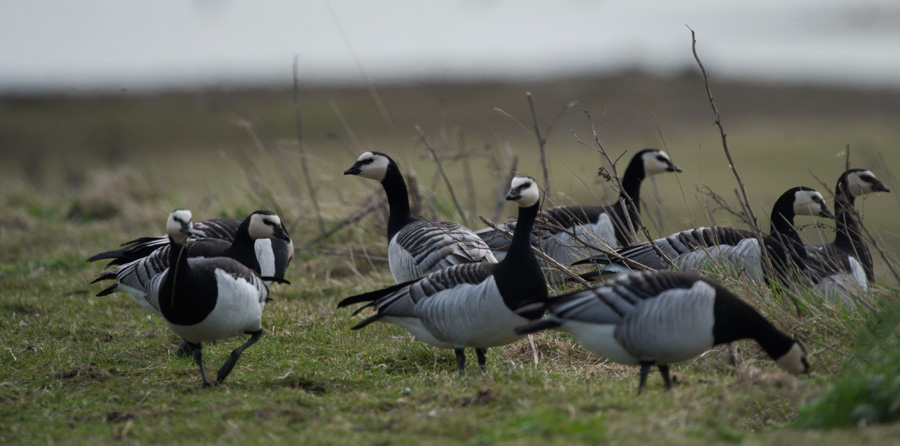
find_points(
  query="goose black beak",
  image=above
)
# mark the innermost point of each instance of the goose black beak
(824, 212)
(674, 168)
(186, 229)
(880, 187)
(353, 170)
(513, 195)
(281, 233)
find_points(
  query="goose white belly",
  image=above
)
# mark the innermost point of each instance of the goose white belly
(599, 338)
(139, 296)
(238, 310)
(843, 287)
(415, 326)
(470, 315)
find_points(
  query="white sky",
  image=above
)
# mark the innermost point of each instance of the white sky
(111, 44)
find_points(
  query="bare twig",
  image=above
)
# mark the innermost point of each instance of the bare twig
(303, 164)
(630, 203)
(437, 160)
(542, 141)
(377, 203)
(745, 201)
(345, 254)
(467, 172)
(540, 254)
(847, 160)
(362, 70)
(415, 198)
(506, 175)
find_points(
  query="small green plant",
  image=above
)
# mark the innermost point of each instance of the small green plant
(870, 392)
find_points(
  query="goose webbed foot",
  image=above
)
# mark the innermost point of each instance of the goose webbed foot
(235, 355)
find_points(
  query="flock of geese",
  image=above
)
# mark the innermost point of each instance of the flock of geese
(458, 289)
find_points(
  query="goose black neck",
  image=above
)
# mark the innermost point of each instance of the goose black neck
(242, 248)
(631, 182)
(735, 319)
(178, 270)
(398, 200)
(518, 276)
(847, 234)
(783, 230)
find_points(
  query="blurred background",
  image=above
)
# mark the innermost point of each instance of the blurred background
(114, 113)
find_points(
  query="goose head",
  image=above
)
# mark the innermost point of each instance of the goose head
(372, 165)
(655, 162)
(795, 360)
(266, 224)
(178, 226)
(524, 191)
(858, 182)
(807, 201)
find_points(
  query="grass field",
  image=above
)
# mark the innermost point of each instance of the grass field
(84, 174)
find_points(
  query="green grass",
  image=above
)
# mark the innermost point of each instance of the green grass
(79, 369)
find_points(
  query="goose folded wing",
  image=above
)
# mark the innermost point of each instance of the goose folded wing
(439, 244)
(400, 300)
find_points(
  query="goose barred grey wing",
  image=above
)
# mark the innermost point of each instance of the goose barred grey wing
(426, 246)
(137, 276)
(400, 300)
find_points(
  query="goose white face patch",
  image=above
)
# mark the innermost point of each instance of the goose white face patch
(794, 361)
(656, 162)
(373, 166)
(528, 190)
(263, 225)
(176, 221)
(808, 202)
(860, 183)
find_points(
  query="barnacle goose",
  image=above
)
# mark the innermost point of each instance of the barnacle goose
(136, 276)
(206, 299)
(849, 249)
(660, 318)
(615, 224)
(417, 246)
(699, 249)
(472, 305)
(272, 255)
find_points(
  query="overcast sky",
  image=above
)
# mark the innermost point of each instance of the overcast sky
(114, 44)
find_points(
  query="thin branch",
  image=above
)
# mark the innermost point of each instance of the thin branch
(467, 171)
(542, 142)
(506, 176)
(745, 201)
(630, 203)
(342, 253)
(303, 164)
(540, 254)
(437, 160)
(377, 203)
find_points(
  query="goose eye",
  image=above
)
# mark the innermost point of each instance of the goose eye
(661, 158)
(867, 178)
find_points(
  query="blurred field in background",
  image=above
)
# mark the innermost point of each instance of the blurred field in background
(205, 142)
